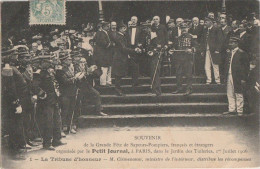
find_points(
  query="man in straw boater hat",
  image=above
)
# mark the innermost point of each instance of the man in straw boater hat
(45, 90)
(237, 69)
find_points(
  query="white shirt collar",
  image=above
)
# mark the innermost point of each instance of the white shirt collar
(234, 50)
(224, 27)
(235, 30)
(211, 27)
(242, 33)
(121, 33)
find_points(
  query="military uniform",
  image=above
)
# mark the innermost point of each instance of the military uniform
(47, 106)
(13, 86)
(65, 77)
(184, 59)
(87, 94)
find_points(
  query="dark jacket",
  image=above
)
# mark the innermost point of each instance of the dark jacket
(121, 55)
(161, 32)
(138, 38)
(102, 50)
(239, 69)
(66, 83)
(43, 84)
(224, 34)
(198, 31)
(214, 42)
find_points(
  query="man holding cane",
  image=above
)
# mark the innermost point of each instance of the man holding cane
(184, 49)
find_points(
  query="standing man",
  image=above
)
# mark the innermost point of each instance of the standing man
(211, 46)
(120, 58)
(158, 42)
(12, 85)
(45, 90)
(134, 40)
(66, 78)
(224, 30)
(196, 31)
(237, 70)
(184, 60)
(102, 54)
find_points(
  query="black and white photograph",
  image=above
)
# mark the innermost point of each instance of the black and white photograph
(129, 84)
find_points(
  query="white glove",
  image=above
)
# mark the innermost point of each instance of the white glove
(150, 53)
(19, 110)
(79, 75)
(34, 98)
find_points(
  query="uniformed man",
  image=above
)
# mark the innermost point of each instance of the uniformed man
(66, 78)
(26, 101)
(237, 69)
(156, 48)
(45, 91)
(13, 84)
(184, 49)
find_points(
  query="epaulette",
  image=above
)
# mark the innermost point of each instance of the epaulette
(7, 72)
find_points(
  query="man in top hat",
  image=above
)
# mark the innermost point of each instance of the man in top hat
(184, 58)
(237, 69)
(102, 54)
(45, 90)
(66, 78)
(211, 46)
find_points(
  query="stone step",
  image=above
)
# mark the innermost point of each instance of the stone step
(158, 108)
(166, 88)
(153, 120)
(165, 98)
(164, 80)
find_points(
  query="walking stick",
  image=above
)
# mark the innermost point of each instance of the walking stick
(156, 67)
(77, 92)
(34, 114)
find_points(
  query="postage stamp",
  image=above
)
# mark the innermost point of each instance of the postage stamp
(43, 12)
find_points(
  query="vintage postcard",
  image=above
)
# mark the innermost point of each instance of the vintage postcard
(129, 84)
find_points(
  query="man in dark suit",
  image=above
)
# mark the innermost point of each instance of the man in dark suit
(102, 54)
(237, 69)
(245, 38)
(134, 40)
(196, 31)
(224, 30)
(120, 58)
(211, 49)
(158, 42)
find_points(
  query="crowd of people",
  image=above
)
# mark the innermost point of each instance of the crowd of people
(48, 78)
